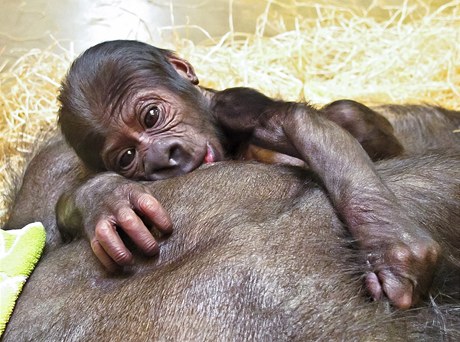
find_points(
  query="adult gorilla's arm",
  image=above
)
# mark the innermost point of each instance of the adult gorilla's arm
(52, 171)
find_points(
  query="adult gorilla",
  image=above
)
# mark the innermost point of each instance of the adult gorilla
(258, 253)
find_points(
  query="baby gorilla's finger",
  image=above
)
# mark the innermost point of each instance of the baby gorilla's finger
(153, 211)
(373, 286)
(398, 289)
(134, 227)
(112, 244)
(103, 257)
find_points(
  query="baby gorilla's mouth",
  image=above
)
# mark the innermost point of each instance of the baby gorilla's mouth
(210, 156)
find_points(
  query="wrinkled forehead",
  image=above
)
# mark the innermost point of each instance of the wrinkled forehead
(116, 88)
(117, 82)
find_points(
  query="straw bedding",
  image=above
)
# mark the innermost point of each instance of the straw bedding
(299, 51)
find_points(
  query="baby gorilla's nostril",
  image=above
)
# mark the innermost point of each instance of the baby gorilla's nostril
(175, 155)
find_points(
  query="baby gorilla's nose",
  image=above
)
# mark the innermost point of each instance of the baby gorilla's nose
(166, 158)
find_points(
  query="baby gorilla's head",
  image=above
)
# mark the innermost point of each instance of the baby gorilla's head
(132, 108)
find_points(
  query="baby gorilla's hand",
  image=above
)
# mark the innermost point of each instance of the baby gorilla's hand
(109, 202)
(127, 203)
(401, 266)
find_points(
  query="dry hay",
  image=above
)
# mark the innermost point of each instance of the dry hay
(404, 53)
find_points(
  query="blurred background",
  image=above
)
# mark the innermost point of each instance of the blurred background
(31, 24)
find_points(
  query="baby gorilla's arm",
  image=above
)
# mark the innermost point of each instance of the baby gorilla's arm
(402, 255)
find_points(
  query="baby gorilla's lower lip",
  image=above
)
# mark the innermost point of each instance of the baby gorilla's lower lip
(210, 156)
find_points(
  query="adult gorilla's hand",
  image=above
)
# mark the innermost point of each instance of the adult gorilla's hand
(108, 202)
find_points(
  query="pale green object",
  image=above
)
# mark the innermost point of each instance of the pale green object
(20, 250)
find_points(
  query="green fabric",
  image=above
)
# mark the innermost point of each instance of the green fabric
(20, 250)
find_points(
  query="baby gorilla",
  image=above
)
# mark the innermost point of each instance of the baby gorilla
(137, 110)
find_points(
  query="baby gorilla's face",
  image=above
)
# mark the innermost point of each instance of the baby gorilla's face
(155, 134)
(137, 110)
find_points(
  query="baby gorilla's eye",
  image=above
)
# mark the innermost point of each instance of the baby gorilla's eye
(151, 117)
(127, 158)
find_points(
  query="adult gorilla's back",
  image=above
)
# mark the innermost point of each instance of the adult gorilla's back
(257, 254)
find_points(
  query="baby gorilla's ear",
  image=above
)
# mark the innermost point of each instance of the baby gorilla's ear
(184, 68)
